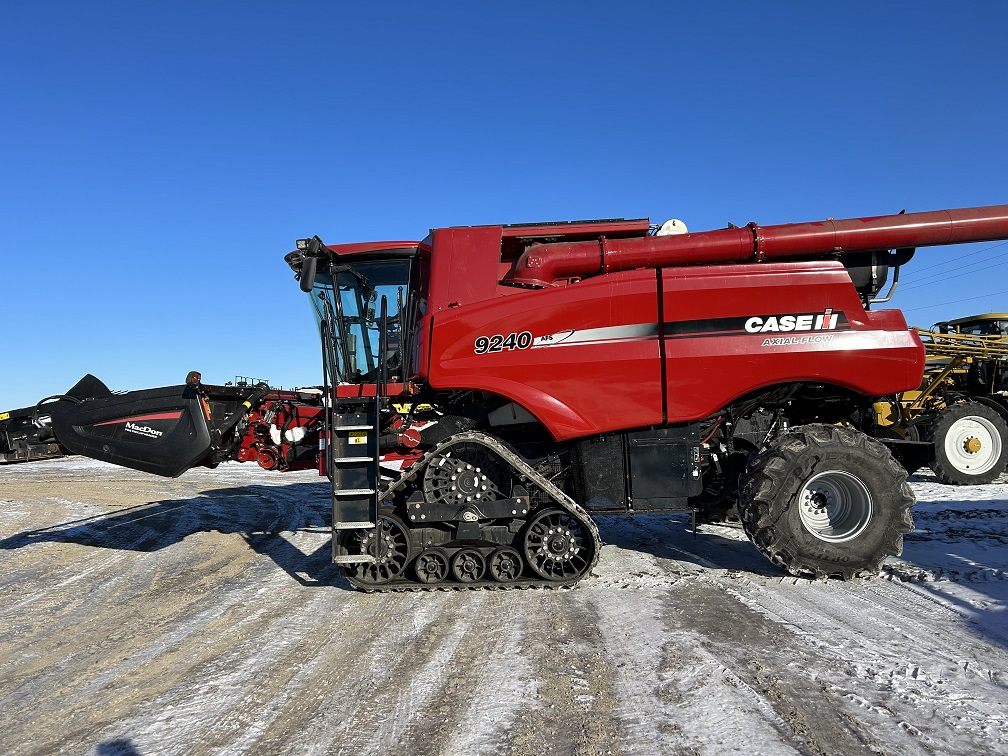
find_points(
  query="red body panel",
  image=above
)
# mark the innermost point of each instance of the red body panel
(575, 387)
(869, 353)
(593, 363)
(465, 265)
(351, 390)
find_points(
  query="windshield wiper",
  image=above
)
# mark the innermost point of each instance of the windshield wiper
(365, 285)
(336, 320)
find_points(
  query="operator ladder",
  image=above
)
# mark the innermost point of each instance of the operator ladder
(354, 449)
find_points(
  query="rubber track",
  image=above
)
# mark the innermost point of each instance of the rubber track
(520, 469)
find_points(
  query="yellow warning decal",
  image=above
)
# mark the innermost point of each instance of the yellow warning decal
(404, 409)
(358, 437)
(4, 415)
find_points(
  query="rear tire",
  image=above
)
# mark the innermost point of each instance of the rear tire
(969, 444)
(826, 501)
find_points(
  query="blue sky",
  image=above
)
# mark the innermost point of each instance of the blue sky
(159, 159)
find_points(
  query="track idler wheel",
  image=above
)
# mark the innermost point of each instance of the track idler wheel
(431, 566)
(389, 546)
(558, 546)
(505, 565)
(468, 566)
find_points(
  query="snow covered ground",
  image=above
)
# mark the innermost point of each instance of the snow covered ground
(202, 616)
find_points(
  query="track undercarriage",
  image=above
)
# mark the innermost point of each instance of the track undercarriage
(471, 513)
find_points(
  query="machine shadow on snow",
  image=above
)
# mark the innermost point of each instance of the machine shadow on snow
(671, 537)
(123, 747)
(262, 514)
(259, 514)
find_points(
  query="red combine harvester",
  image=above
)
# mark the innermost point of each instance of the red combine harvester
(490, 388)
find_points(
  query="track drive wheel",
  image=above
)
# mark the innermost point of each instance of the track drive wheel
(826, 501)
(465, 473)
(558, 546)
(388, 544)
(970, 441)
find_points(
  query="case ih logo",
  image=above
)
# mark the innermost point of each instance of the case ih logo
(827, 320)
(143, 430)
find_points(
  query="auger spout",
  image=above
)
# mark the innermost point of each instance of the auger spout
(544, 265)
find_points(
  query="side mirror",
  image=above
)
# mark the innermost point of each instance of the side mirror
(308, 266)
(305, 261)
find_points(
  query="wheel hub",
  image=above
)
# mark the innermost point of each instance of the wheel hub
(559, 544)
(469, 482)
(380, 548)
(835, 506)
(505, 565)
(465, 474)
(973, 445)
(432, 565)
(468, 566)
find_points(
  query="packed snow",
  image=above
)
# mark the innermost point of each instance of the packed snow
(202, 615)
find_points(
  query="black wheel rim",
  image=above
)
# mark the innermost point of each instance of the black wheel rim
(505, 565)
(468, 566)
(431, 566)
(557, 545)
(388, 545)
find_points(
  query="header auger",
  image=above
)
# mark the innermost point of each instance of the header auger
(488, 389)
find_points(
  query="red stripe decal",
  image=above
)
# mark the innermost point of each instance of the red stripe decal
(139, 418)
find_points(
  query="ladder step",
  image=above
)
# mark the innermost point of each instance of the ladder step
(353, 559)
(353, 492)
(353, 525)
(353, 459)
(353, 427)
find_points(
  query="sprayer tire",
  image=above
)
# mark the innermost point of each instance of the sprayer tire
(952, 432)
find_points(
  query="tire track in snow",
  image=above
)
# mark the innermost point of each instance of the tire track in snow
(672, 695)
(910, 649)
(822, 626)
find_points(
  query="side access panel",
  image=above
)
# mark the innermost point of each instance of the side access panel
(162, 431)
(655, 470)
